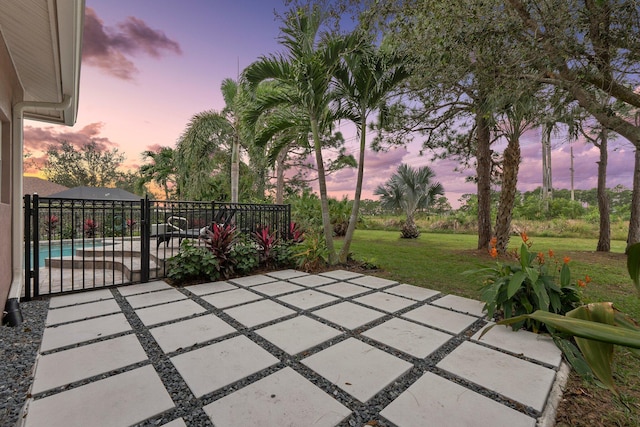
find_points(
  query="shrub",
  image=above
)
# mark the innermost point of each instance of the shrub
(220, 240)
(192, 262)
(245, 257)
(266, 241)
(312, 253)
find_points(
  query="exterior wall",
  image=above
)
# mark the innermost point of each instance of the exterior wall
(10, 93)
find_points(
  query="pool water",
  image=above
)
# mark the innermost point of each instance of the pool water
(58, 250)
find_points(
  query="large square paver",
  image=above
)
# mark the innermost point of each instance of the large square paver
(85, 330)
(312, 280)
(385, 302)
(231, 298)
(256, 279)
(257, 313)
(171, 311)
(82, 311)
(154, 298)
(286, 274)
(441, 318)
(189, 332)
(79, 298)
(341, 274)
(344, 290)
(123, 399)
(65, 367)
(357, 368)
(348, 314)
(534, 346)
(372, 282)
(435, 401)
(461, 304)
(298, 334)
(529, 384)
(210, 368)
(277, 288)
(284, 398)
(307, 299)
(210, 288)
(414, 292)
(416, 340)
(158, 285)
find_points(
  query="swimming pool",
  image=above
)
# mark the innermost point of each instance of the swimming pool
(62, 249)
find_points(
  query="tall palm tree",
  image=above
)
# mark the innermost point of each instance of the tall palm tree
(306, 71)
(162, 170)
(409, 189)
(364, 80)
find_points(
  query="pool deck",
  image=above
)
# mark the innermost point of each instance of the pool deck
(287, 349)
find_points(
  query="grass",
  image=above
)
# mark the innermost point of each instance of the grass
(437, 260)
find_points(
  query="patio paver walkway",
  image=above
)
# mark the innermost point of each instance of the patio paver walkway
(284, 348)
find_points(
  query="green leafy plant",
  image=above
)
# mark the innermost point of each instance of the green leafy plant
(245, 257)
(192, 262)
(266, 241)
(312, 253)
(296, 235)
(535, 283)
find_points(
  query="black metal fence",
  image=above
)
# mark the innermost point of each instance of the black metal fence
(74, 244)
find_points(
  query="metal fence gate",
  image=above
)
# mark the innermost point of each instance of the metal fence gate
(73, 244)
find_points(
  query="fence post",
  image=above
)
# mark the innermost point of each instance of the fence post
(27, 247)
(145, 244)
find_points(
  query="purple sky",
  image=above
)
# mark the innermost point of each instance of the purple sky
(149, 65)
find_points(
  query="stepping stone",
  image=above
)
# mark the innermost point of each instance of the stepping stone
(154, 298)
(286, 274)
(344, 290)
(277, 288)
(528, 383)
(210, 368)
(210, 288)
(441, 318)
(257, 313)
(80, 312)
(348, 315)
(85, 330)
(357, 368)
(171, 311)
(306, 300)
(463, 305)
(257, 279)
(341, 274)
(79, 298)
(413, 292)
(123, 399)
(385, 302)
(372, 282)
(187, 333)
(415, 340)
(158, 285)
(298, 334)
(312, 280)
(435, 401)
(534, 346)
(284, 398)
(65, 367)
(231, 298)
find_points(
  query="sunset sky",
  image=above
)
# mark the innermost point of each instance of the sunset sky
(150, 65)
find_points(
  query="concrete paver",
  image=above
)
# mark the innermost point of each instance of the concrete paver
(385, 302)
(413, 292)
(286, 274)
(284, 398)
(312, 280)
(306, 300)
(461, 304)
(277, 288)
(357, 368)
(441, 318)
(122, 399)
(85, 330)
(259, 312)
(79, 298)
(210, 288)
(487, 368)
(257, 279)
(348, 314)
(341, 274)
(82, 311)
(230, 298)
(65, 367)
(343, 289)
(141, 288)
(212, 367)
(416, 340)
(179, 422)
(189, 332)
(298, 334)
(372, 282)
(154, 298)
(435, 401)
(170, 311)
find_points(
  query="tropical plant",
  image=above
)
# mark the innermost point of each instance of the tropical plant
(408, 190)
(296, 235)
(245, 256)
(220, 239)
(161, 170)
(192, 262)
(266, 241)
(90, 227)
(312, 253)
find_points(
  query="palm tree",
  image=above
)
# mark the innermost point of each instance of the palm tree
(162, 171)
(409, 189)
(364, 80)
(306, 73)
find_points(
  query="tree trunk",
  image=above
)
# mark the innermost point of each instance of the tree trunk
(483, 157)
(409, 229)
(634, 222)
(604, 239)
(235, 168)
(510, 167)
(324, 201)
(282, 155)
(355, 209)
(547, 184)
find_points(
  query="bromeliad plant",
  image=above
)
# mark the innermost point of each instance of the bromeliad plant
(537, 282)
